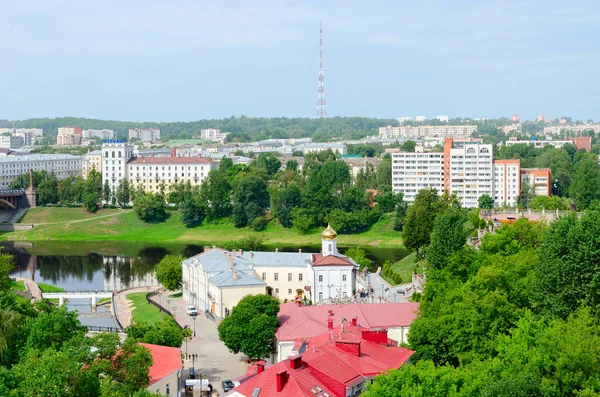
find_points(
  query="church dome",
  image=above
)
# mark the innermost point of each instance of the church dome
(329, 233)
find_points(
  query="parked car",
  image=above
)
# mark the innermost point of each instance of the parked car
(227, 385)
(191, 310)
(192, 373)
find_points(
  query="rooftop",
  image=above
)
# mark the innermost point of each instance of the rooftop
(38, 157)
(169, 160)
(166, 361)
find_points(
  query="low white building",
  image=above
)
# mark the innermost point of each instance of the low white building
(312, 147)
(212, 134)
(216, 280)
(61, 165)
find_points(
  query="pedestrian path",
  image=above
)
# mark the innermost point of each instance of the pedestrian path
(32, 287)
(124, 307)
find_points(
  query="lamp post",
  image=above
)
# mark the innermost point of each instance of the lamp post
(194, 326)
(556, 186)
(174, 312)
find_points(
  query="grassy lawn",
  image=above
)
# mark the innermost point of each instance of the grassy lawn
(144, 312)
(17, 285)
(177, 295)
(62, 214)
(126, 227)
(405, 267)
(103, 300)
(49, 288)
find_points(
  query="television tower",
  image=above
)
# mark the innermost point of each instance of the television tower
(321, 109)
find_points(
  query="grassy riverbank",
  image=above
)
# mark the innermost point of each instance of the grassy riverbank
(144, 312)
(76, 225)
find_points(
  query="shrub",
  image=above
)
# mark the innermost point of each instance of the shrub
(259, 223)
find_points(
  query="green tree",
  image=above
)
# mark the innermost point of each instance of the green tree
(47, 192)
(408, 146)
(150, 207)
(485, 202)
(169, 273)
(106, 192)
(419, 220)
(525, 195)
(291, 165)
(449, 235)
(193, 213)
(289, 198)
(560, 164)
(250, 199)
(164, 333)
(52, 328)
(302, 220)
(6, 265)
(384, 175)
(358, 255)
(215, 193)
(585, 184)
(251, 326)
(123, 193)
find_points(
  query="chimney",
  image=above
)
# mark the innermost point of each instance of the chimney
(173, 152)
(354, 321)
(376, 335)
(329, 323)
(296, 362)
(352, 347)
(281, 380)
(230, 261)
(260, 367)
(235, 277)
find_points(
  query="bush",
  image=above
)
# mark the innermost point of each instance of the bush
(353, 222)
(302, 220)
(259, 223)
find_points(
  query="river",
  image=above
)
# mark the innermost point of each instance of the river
(110, 266)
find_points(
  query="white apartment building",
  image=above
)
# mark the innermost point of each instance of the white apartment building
(471, 173)
(401, 120)
(507, 182)
(11, 142)
(512, 128)
(212, 134)
(305, 148)
(144, 134)
(61, 165)
(443, 119)
(412, 172)
(420, 118)
(115, 155)
(29, 135)
(102, 134)
(427, 131)
(576, 129)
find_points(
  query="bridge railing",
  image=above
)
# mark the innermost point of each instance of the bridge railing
(98, 328)
(115, 316)
(77, 292)
(159, 306)
(12, 191)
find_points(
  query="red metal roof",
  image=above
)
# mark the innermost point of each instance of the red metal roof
(330, 260)
(166, 361)
(169, 160)
(310, 321)
(327, 368)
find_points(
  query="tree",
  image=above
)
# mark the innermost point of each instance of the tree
(106, 192)
(47, 192)
(6, 265)
(164, 333)
(559, 162)
(358, 255)
(52, 328)
(384, 175)
(289, 198)
(250, 199)
(150, 207)
(291, 165)
(419, 220)
(485, 202)
(585, 184)
(192, 213)
(123, 193)
(449, 235)
(408, 146)
(169, 273)
(302, 220)
(526, 194)
(215, 193)
(251, 326)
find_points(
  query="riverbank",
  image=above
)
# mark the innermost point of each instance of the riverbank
(76, 225)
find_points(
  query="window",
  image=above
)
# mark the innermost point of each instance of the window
(289, 276)
(320, 296)
(276, 277)
(276, 291)
(300, 277)
(264, 276)
(167, 390)
(343, 277)
(290, 291)
(320, 278)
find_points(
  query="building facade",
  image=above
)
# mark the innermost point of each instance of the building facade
(11, 142)
(115, 155)
(101, 134)
(61, 165)
(427, 131)
(507, 182)
(92, 161)
(152, 172)
(512, 128)
(539, 179)
(144, 134)
(212, 134)
(583, 142)
(576, 128)
(69, 136)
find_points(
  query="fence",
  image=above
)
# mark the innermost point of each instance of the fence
(160, 307)
(97, 328)
(114, 310)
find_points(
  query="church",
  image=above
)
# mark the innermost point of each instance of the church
(217, 279)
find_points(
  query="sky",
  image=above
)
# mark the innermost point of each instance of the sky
(184, 60)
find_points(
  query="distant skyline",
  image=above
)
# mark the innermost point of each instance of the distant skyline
(185, 60)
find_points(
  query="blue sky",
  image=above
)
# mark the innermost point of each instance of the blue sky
(184, 60)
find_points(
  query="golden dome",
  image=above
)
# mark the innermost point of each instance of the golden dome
(329, 233)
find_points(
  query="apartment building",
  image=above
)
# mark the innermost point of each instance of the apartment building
(61, 165)
(507, 182)
(512, 128)
(402, 120)
(212, 134)
(582, 142)
(427, 131)
(69, 136)
(412, 172)
(101, 134)
(150, 173)
(144, 134)
(11, 142)
(29, 135)
(92, 161)
(576, 128)
(540, 180)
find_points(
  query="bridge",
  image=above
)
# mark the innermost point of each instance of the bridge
(12, 199)
(93, 295)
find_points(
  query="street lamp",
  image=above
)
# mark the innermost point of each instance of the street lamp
(556, 186)
(194, 326)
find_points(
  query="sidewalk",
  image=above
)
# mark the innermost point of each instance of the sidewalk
(31, 287)
(214, 358)
(123, 306)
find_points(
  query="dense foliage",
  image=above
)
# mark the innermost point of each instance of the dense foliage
(169, 272)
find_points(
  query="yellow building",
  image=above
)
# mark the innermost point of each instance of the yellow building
(92, 161)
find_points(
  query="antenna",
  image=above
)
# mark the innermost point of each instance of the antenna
(321, 109)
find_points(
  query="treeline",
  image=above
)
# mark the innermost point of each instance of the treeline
(516, 317)
(322, 191)
(242, 128)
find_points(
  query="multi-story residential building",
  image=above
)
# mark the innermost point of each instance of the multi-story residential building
(575, 128)
(144, 134)
(427, 131)
(507, 182)
(29, 135)
(582, 142)
(420, 118)
(61, 165)
(92, 161)
(212, 134)
(101, 134)
(216, 279)
(401, 120)
(443, 119)
(11, 142)
(115, 155)
(305, 148)
(512, 128)
(412, 172)
(69, 136)
(540, 180)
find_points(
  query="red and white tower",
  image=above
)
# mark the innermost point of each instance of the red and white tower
(321, 108)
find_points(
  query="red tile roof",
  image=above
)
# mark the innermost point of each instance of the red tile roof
(330, 260)
(169, 160)
(327, 368)
(166, 361)
(310, 321)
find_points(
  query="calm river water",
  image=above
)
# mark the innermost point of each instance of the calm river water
(110, 266)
